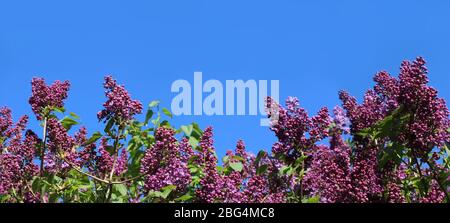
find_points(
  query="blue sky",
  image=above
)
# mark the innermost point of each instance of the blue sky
(314, 49)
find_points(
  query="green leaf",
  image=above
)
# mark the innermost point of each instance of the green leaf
(153, 104)
(187, 129)
(261, 154)
(165, 191)
(225, 159)
(237, 166)
(390, 126)
(312, 200)
(68, 122)
(75, 116)
(394, 153)
(94, 138)
(109, 125)
(59, 110)
(167, 112)
(262, 169)
(148, 116)
(193, 141)
(121, 188)
(185, 198)
(165, 123)
(286, 170)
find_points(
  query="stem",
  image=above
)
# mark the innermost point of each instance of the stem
(44, 140)
(113, 169)
(419, 170)
(73, 166)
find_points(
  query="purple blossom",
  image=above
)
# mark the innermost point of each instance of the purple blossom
(293, 127)
(341, 120)
(16, 159)
(211, 185)
(119, 104)
(165, 164)
(329, 174)
(44, 96)
(434, 195)
(5, 120)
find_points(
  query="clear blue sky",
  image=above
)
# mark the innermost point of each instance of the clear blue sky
(314, 49)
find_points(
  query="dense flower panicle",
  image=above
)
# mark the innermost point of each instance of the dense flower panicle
(15, 133)
(365, 115)
(165, 163)
(28, 149)
(16, 164)
(5, 120)
(186, 150)
(59, 139)
(122, 163)
(394, 193)
(87, 157)
(235, 183)
(240, 150)
(81, 136)
(412, 79)
(14, 175)
(430, 122)
(256, 189)
(293, 125)
(329, 174)
(119, 104)
(104, 160)
(232, 188)
(16, 153)
(44, 96)
(212, 184)
(341, 120)
(435, 194)
(388, 87)
(393, 175)
(9, 172)
(320, 124)
(366, 181)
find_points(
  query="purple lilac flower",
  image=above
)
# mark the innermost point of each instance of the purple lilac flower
(164, 163)
(293, 127)
(119, 104)
(211, 185)
(329, 174)
(44, 96)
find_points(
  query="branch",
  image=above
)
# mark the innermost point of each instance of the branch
(44, 139)
(74, 166)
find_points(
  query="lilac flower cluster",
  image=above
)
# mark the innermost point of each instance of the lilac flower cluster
(165, 163)
(119, 104)
(293, 126)
(44, 96)
(212, 184)
(329, 176)
(16, 155)
(245, 186)
(365, 115)
(61, 148)
(429, 120)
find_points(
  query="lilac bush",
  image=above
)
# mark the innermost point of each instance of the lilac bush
(393, 147)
